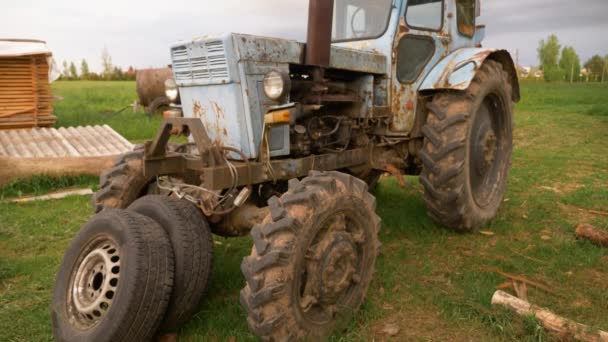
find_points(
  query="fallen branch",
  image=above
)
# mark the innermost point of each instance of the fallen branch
(588, 232)
(597, 212)
(52, 196)
(564, 327)
(520, 279)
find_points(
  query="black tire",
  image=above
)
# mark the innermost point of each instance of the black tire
(192, 244)
(157, 104)
(122, 184)
(281, 301)
(467, 151)
(128, 296)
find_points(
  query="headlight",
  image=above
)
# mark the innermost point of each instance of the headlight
(171, 90)
(276, 85)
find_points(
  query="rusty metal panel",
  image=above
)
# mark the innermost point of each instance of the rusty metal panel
(457, 70)
(358, 60)
(97, 141)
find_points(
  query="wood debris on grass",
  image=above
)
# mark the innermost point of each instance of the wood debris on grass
(52, 196)
(595, 212)
(588, 232)
(391, 329)
(520, 279)
(563, 327)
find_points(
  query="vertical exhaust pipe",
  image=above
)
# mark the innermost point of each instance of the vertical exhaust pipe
(318, 42)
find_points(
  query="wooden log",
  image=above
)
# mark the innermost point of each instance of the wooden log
(24, 168)
(588, 232)
(563, 327)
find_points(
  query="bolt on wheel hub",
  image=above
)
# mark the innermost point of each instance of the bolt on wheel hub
(338, 267)
(332, 268)
(93, 286)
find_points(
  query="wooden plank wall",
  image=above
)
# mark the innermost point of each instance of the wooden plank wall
(25, 92)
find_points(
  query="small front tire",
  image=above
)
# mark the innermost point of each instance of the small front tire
(313, 258)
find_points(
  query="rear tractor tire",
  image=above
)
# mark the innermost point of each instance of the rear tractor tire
(313, 258)
(467, 151)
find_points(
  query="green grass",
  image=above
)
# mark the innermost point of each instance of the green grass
(98, 103)
(429, 281)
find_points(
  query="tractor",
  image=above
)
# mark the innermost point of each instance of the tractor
(285, 141)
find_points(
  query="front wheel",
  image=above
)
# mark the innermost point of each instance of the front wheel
(313, 258)
(467, 151)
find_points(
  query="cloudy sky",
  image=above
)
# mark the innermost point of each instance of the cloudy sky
(139, 32)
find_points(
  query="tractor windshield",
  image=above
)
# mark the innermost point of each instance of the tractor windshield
(360, 19)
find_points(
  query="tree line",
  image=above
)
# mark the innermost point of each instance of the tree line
(563, 63)
(109, 71)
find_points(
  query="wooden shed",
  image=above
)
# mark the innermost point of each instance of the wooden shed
(26, 71)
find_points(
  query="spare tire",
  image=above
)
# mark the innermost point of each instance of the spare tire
(115, 280)
(192, 243)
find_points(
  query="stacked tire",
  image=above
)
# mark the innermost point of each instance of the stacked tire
(132, 274)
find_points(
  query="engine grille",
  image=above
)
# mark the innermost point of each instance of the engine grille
(201, 63)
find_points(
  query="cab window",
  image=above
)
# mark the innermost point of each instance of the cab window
(360, 19)
(425, 14)
(466, 17)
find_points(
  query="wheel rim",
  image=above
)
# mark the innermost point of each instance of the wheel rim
(94, 282)
(332, 268)
(487, 150)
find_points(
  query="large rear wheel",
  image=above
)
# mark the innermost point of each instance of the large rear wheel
(313, 258)
(467, 150)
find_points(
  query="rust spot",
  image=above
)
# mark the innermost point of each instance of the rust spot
(397, 174)
(410, 105)
(198, 110)
(218, 131)
(403, 27)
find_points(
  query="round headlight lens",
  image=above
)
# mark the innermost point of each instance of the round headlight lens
(275, 85)
(171, 90)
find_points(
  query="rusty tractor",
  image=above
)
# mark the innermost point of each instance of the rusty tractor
(285, 142)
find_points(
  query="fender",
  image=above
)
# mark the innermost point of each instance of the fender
(457, 70)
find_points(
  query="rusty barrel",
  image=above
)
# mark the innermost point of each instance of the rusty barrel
(151, 84)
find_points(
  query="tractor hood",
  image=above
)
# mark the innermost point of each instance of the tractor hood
(283, 51)
(275, 50)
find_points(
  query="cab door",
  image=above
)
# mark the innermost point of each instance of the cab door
(421, 42)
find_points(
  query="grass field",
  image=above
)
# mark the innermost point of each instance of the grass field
(430, 282)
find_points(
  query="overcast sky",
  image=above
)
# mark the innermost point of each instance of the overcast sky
(139, 32)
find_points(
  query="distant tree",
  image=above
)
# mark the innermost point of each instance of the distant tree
(130, 74)
(548, 54)
(65, 73)
(84, 69)
(596, 66)
(570, 64)
(117, 74)
(106, 64)
(548, 51)
(605, 72)
(73, 71)
(93, 76)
